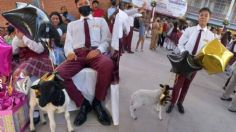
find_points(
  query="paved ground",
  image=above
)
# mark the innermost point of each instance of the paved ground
(205, 112)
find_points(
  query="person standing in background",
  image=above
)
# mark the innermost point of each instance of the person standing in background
(10, 34)
(97, 12)
(67, 15)
(141, 33)
(155, 34)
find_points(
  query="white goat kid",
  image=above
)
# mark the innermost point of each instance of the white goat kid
(51, 97)
(142, 97)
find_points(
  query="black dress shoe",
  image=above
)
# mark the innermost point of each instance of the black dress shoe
(224, 87)
(232, 110)
(131, 52)
(180, 108)
(228, 99)
(101, 113)
(36, 117)
(81, 117)
(170, 108)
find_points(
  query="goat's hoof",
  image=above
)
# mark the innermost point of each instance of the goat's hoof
(44, 123)
(135, 118)
(134, 109)
(32, 131)
(160, 119)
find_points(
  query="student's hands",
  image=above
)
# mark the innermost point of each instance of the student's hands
(93, 54)
(19, 34)
(71, 56)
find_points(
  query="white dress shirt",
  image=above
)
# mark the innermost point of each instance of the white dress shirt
(100, 35)
(188, 39)
(131, 14)
(34, 46)
(120, 26)
(110, 11)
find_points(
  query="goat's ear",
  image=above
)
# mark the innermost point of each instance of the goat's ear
(58, 77)
(35, 87)
(169, 88)
(60, 85)
(161, 85)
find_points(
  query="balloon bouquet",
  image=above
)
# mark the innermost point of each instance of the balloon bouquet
(34, 24)
(213, 57)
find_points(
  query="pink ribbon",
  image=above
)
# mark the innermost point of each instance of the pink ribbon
(9, 102)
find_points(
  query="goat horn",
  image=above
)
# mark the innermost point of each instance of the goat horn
(50, 78)
(162, 96)
(43, 78)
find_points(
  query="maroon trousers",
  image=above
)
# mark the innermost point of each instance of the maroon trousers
(181, 83)
(102, 64)
(128, 40)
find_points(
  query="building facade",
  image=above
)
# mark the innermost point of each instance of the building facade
(48, 5)
(221, 10)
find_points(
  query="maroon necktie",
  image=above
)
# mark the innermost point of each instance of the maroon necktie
(197, 42)
(232, 48)
(87, 35)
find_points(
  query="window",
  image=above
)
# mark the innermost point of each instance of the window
(221, 6)
(197, 3)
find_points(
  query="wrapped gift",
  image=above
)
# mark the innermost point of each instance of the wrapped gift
(5, 58)
(14, 112)
(3, 80)
(214, 57)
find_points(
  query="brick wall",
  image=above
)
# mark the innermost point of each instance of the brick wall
(48, 5)
(8, 5)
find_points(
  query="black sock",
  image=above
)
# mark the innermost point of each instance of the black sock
(96, 101)
(86, 103)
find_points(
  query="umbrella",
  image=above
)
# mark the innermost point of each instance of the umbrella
(214, 57)
(28, 19)
(183, 64)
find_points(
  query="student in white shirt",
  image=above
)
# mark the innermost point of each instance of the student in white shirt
(229, 90)
(86, 41)
(120, 28)
(192, 40)
(131, 12)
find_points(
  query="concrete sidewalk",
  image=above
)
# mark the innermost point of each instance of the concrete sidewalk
(205, 112)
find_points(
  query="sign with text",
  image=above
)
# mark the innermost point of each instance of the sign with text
(175, 8)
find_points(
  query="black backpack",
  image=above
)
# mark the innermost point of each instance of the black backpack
(136, 23)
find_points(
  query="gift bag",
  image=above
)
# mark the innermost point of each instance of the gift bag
(5, 58)
(14, 112)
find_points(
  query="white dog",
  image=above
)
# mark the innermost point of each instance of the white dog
(157, 97)
(51, 97)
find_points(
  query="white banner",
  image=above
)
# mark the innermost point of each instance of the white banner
(175, 8)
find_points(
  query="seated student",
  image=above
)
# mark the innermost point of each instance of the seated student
(60, 27)
(86, 41)
(33, 57)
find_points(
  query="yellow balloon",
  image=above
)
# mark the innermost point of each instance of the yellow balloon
(214, 57)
